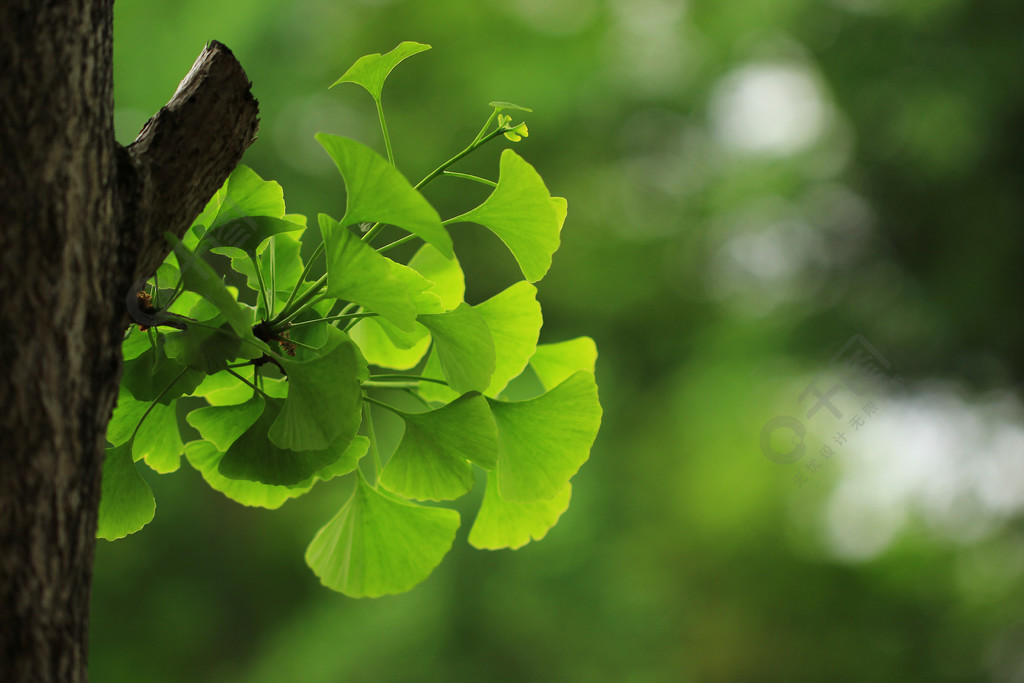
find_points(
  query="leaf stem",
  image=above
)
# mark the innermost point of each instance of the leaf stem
(397, 243)
(472, 146)
(302, 278)
(244, 380)
(342, 316)
(263, 286)
(374, 401)
(384, 130)
(407, 378)
(467, 176)
(377, 466)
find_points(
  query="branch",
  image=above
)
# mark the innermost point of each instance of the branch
(183, 155)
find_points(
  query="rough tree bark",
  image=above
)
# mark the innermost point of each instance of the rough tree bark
(81, 220)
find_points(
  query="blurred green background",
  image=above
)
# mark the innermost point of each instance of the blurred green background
(751, 185)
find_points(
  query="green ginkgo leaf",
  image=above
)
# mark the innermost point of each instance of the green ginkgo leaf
(370, 71)
(207, 347)
(200, 277)
(243, 194)
(545, 440)
(503, 524)
(324, 399)
(152, 376)
(205, 457)
(281, 267)
(127, 414)
(445, 274)
(378, 193)
(387, 346)
(255, 457)
(135, 344)
(514, 319)
(378, 544)
(127, 502)
(379, 348)
(158, 441)
(357, 273)
(521, 213)
(222, 425)
(224, 389)
(554, 363)
(432, 461)
(464, 347)
(247, 234)
(508, 106)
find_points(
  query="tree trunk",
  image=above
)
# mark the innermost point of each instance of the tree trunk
(81, 220)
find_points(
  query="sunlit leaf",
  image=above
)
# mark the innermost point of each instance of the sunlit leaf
(502, 524)
(379, 347)
(378, 192)
(324, 400)
(158, 441)
(520, 212)
(207, 347)
(449, 282)
(205, 458)
(255, 457)
(245, 194)
(514, 319)
(508, 106)
(134, 344)
(126, 503)
(464, 346)
(152, 376)
(357, 273)
(554, 363)
(545, 440)
(127, 414)
(224, 389)
(370, 71)
(247, 233)
(432, 461)
(222, 425)
(387, 346)
(200, 277)
(378, 544)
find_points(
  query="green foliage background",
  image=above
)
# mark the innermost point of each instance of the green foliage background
(717, 280)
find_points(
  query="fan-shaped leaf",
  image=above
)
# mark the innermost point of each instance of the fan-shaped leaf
(370, 71)
(247, 233)
(502, 524)
(554, 363)
(243, 194)
(127, 503)
(378, 544)
(357, 273)
(545, 440)
(324, 400)
(464, 346)
(205, 457)
(158, 441)
(378, 192)
(153, 376)
(521, 213)
(222, 425)
(255, 457)
(432, 460)
(200, 277)
(514, 319)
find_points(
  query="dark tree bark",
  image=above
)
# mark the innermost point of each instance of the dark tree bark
(81, 220)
